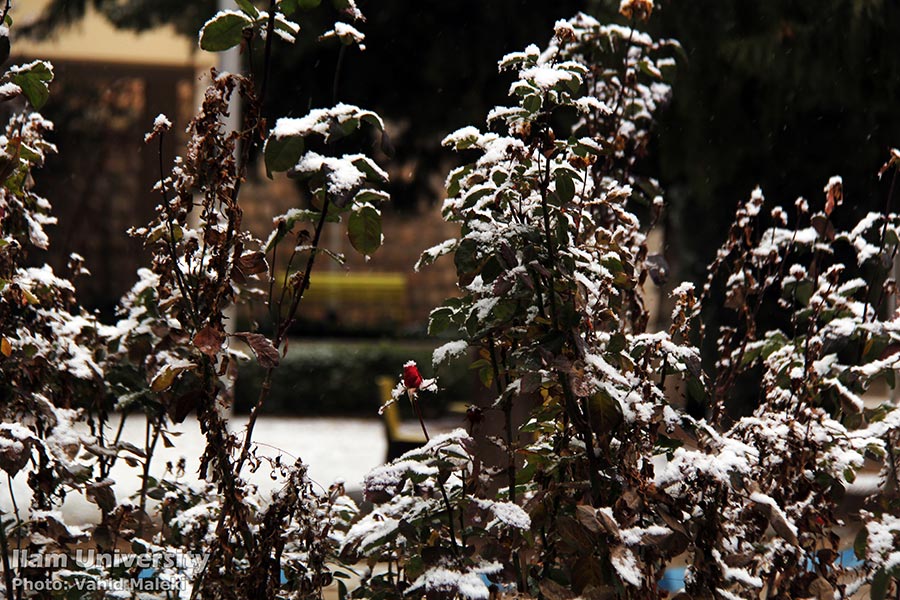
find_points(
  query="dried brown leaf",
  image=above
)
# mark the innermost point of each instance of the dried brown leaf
(209, 340)
(252, 263)
(266, 353)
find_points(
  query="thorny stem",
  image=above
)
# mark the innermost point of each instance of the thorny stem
(887, 208)
(507, 413)
(283, 329)
(510, 449)
(107, 466)
(721, 386)
(215, 438)
(571, 404)
(548, 241)
(173, 253)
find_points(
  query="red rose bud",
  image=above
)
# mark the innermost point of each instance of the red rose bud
(411, 377)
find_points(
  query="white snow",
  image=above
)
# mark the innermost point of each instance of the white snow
(313, 440)
(161, 121)
(319, 120)
(449, 350)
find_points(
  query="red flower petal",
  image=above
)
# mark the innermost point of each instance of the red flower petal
(411, 377)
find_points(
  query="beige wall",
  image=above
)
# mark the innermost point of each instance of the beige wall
(95, 39)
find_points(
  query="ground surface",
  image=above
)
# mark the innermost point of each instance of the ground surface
(334, 448)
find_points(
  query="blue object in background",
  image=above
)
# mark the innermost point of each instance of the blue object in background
(673, 579)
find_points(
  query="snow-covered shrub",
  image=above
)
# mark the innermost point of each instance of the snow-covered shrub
(617, 478)
(50, 350)
(605, 483)
(171, 352)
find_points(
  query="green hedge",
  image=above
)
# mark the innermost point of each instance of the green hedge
(338, 378)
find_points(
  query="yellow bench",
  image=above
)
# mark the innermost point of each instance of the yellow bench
(400, 439)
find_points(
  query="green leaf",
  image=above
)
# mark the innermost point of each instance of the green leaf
(308, 4)
(532, 103)
(4, 48)
(288, 7)
(368, 195)
(224, 31)
(34, 82)
(247, 7)
(477, 194)
(606, 413)
(849, 475)
(880, 583)
(439, 321)
(616, 343)
(486, 375)
(565, 189)
(650, 69)
(166, 377)
(373, 173)
(282, 153)
(668, 445)
(860, 543)
(364, 230)
(465, 257)
(504, 311)
(372, 119)
(29, 154)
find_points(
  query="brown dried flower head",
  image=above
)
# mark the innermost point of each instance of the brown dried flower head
(636, 9)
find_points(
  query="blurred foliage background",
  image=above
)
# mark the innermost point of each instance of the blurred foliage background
(782, 94)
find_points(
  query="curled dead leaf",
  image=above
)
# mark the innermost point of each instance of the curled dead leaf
(266, 353)
(15, 451)
(209, 340)
(252, 263)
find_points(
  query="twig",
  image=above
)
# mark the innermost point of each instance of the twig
(444, 495)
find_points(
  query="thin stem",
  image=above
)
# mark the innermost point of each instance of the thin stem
(267, 56)
(15, 505)
(148, 450)
(107, 466)
(887, 208)
(304, 283)
(548, 240)
(285, 284)
(415, 404)
(507, 413)
(7, 569)
(444, 495)
(510, 450)
(272, 278)
(337, 74)
(281, 334)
